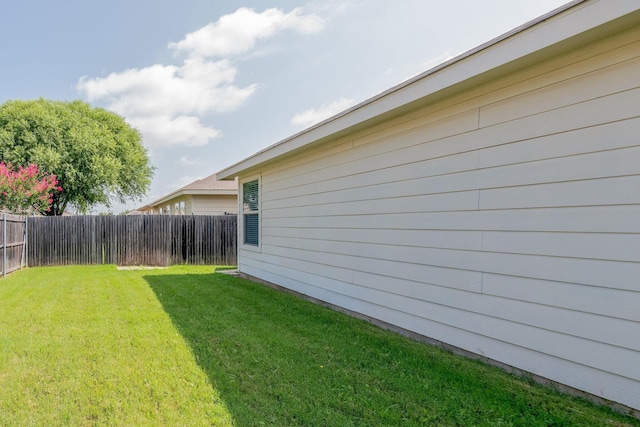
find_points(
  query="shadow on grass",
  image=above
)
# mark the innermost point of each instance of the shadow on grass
(278, 360)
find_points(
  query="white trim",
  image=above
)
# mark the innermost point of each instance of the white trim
(241, 244)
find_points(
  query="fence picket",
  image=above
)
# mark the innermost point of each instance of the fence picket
(13, 243)
(132, 240)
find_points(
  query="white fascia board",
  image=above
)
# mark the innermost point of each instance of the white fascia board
(216, 192)
(188, 192)
(570, 20)
(166, 198)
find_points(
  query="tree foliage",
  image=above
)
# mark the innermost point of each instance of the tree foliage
(96, 156)
(26, 189)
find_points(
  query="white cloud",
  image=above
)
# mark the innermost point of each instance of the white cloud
(197, 86)
(181, 130)
(239, 31)
(166, 102)
(186, 161)
(316, 115)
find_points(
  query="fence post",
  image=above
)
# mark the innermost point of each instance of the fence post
(26, 243)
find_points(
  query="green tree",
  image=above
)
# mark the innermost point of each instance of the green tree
(96, 156)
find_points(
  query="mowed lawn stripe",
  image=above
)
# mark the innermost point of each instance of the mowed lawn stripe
(282, 361)
(93, 346)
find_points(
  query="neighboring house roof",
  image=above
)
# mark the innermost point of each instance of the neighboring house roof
(575, 23)
(208, 186)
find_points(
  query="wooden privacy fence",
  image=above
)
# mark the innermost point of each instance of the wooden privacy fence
(14, 231)
(156, 240)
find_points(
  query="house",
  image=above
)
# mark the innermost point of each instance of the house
(206, 196)
(490, 204)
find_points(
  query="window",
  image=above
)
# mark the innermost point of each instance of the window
(250, 212)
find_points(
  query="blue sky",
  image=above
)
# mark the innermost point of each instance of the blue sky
(210, 82)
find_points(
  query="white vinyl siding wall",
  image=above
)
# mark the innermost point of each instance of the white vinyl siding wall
(202, 204)
(215, 205)
(188, 204)
(504, 221)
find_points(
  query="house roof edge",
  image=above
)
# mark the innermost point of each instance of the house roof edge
(547, 30)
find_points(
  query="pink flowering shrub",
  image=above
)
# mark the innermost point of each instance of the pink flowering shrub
(27, 189)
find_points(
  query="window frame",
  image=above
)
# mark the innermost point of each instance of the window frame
(244, 213)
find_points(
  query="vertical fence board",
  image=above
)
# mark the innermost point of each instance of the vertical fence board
(13, 247)
(157, 240)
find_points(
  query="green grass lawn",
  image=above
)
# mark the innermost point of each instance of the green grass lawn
(181, 346)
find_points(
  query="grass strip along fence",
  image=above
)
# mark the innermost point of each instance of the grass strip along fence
(156, 240)
(91, 345)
